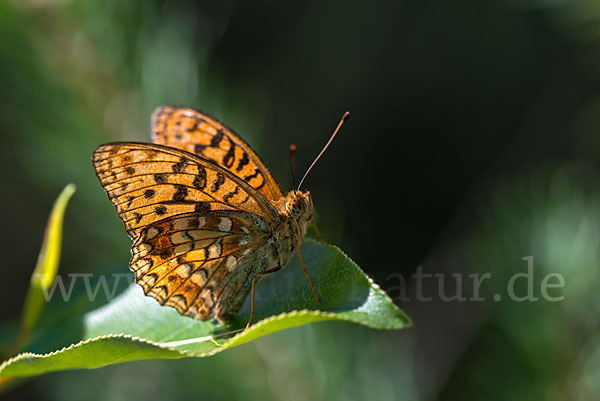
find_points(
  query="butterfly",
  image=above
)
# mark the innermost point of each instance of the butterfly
(206, 216)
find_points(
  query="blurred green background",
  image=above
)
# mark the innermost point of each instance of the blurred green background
(474, 142)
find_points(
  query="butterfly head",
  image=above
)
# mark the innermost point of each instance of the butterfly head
(299, 204)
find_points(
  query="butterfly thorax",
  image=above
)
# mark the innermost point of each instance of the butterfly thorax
(295, 210)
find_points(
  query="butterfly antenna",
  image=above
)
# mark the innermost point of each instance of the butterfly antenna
(292, 164)
(342, 121)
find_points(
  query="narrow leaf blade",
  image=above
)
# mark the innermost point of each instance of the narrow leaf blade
(47, 264)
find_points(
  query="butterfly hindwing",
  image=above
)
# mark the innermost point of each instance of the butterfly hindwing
(200, 265)
(148, 182)
(193, 131)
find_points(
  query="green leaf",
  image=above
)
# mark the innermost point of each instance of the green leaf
(132, 326)
(46, 267)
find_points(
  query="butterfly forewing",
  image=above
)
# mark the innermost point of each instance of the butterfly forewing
(205, 136)
(147, 183)
(199, 264)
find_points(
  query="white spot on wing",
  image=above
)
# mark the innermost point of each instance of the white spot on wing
(143, 249)
(225, 224)
(183, 271)
(180, 224)
(208, 301)
(151, 233)
(214, 251)
(142, 265)
(199, 277)
(231, 263)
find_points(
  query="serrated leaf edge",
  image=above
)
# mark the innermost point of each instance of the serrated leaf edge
(222, 347)
(80, 344)
(260, 324)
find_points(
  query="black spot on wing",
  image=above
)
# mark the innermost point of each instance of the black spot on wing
(200, 179)
(202, 207)
(198, 149)
(220, 180)
(230, 195)
(256, 174)
(160, 178)
(248, 178)
(189, 238)
(181, 193)
(216, 140)
(160, 210)
(149, 193)
(179, 166)
(229, 156)
(243, 161)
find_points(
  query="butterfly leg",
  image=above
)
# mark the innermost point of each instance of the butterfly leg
(319, 236)
(273, 270)
(306, 273)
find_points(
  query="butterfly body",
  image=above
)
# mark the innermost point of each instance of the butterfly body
(206, 216)
(279, 247)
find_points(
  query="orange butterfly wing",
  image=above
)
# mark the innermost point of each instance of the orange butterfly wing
(193, 131)
(197, 227)
(149, 182)
(200, 265)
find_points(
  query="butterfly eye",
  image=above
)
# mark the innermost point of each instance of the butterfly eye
(295, 207)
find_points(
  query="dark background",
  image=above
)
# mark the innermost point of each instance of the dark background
(473, 143)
